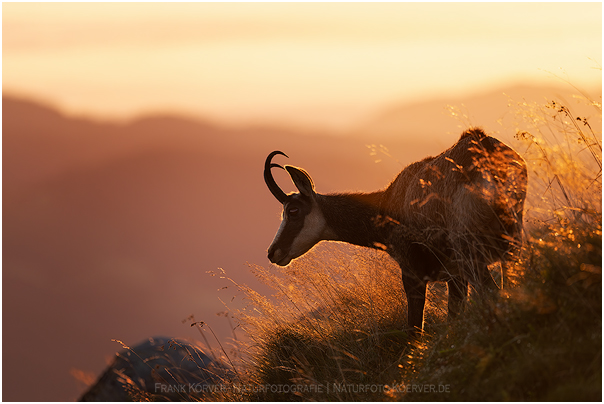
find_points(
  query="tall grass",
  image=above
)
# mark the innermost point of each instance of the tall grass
(332, 331)
(335, 321)
(541, 340)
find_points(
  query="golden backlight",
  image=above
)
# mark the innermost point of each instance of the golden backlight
(111, 223)
(313, 64)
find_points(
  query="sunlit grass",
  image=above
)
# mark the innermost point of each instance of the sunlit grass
(333, 328)
(336, 318)
(541, 340)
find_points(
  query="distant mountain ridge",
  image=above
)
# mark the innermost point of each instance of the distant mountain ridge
(74, 142)
(109, 229)
(493, 110)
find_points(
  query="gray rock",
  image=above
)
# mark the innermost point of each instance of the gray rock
(159, 369)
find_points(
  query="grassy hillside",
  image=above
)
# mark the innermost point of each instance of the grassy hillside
(332, 331)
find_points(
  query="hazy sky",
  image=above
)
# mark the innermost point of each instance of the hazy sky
(329, 64)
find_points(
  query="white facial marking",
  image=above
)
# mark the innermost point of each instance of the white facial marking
(311, 233)
(279, 231)
(278, 254)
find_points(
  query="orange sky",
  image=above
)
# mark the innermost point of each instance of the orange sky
(330, 65)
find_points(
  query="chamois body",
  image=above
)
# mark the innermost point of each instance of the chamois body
(442, 218)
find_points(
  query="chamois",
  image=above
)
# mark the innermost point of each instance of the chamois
(442, 218)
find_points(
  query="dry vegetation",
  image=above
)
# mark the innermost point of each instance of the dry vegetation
(332, 330)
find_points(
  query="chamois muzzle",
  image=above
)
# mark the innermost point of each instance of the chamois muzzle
(270, 181)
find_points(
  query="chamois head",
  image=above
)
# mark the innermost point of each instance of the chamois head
(302, 222)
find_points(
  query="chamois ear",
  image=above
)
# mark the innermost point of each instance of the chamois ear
(301, 180)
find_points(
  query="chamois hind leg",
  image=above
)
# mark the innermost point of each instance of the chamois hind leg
(415, 289)
(511, 257)
(508, 266)
(475, 263)
(484, 280)
(458, 292)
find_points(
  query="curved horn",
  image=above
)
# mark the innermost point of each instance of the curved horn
(270, 181)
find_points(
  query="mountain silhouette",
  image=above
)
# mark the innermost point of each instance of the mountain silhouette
(110, 229)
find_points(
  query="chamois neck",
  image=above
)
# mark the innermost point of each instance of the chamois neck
(356, 218)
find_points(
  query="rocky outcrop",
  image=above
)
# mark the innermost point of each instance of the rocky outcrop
(159, 369)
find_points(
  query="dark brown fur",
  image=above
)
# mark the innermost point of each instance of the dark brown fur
(445, 217)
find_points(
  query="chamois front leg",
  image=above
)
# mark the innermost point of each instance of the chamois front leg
(415, 289)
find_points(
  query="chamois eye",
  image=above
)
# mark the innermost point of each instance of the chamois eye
(293, 212)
